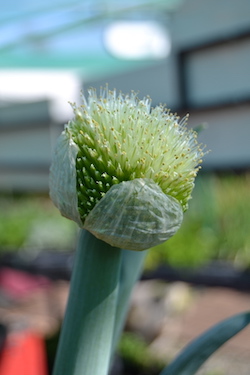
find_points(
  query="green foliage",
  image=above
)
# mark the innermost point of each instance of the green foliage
(33, 222)
(216, 226)
(136, 356)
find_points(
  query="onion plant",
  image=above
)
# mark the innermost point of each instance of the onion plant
(124, 172)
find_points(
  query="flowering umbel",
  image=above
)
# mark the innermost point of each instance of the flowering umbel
(114, 139)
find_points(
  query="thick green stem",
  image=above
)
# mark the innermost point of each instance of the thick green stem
(87, 333)
(131, 267)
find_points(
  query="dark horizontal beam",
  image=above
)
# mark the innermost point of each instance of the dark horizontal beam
(216, 274)
(58, 265)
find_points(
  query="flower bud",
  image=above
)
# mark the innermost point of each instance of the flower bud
(125, 171)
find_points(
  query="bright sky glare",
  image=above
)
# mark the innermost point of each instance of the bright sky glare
(137, 40)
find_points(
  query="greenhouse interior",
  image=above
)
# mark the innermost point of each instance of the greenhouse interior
(181, 66)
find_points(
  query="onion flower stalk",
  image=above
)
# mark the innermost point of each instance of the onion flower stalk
(124, 172)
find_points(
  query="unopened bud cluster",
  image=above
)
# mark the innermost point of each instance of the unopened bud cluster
(114, 138)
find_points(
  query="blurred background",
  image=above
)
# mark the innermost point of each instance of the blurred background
(193, 56)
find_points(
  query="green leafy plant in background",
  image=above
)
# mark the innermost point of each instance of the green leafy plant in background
(31, 222)
(125, 173)
(215, 227)
(136, 355)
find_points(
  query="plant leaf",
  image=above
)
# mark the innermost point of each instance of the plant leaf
(196, 353)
